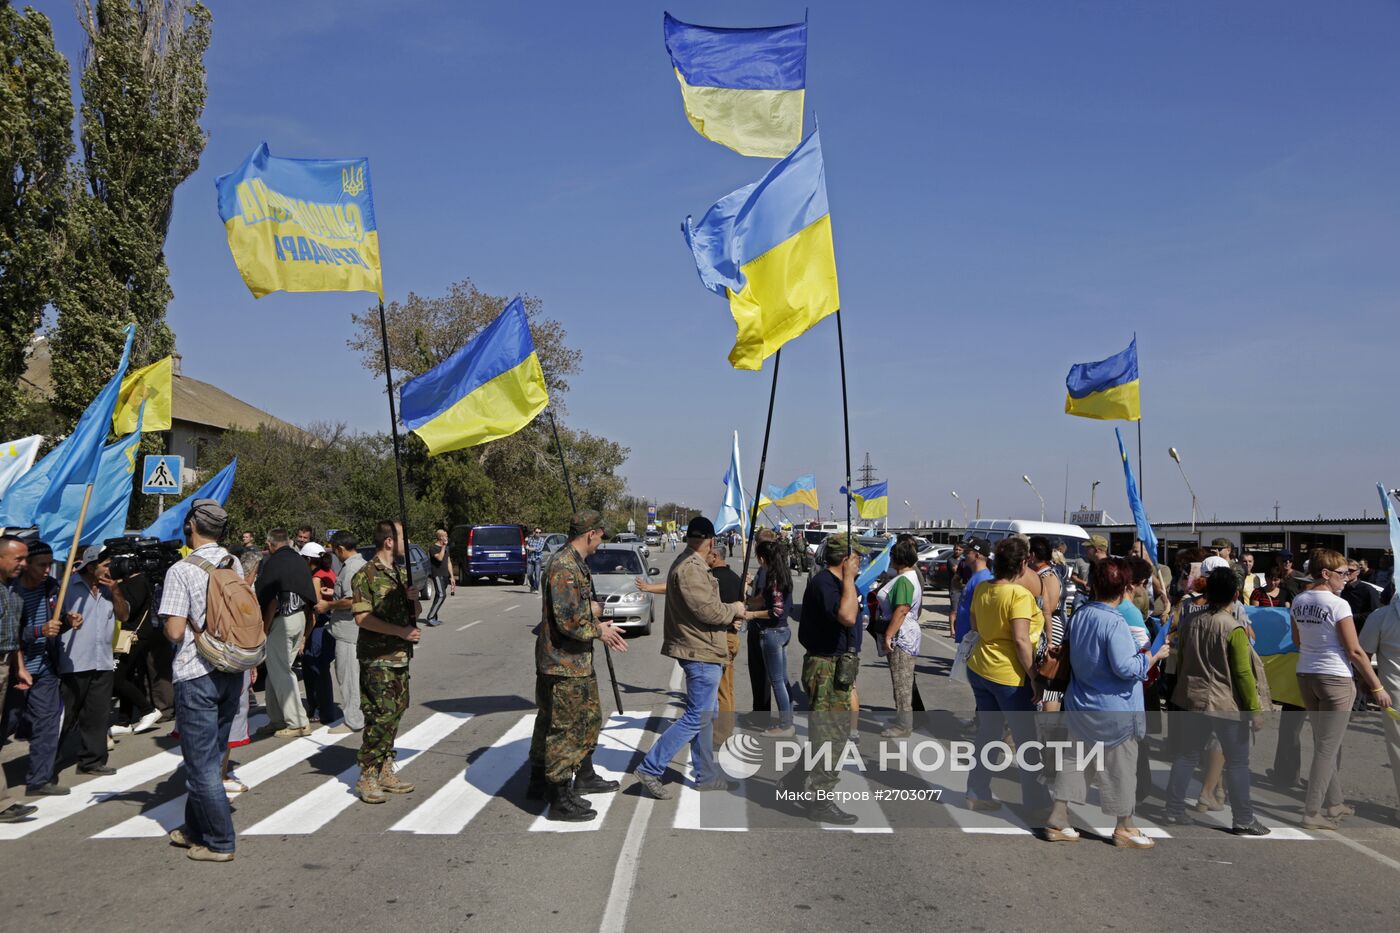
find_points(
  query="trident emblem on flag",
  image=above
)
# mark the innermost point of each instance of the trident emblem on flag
(352, 180)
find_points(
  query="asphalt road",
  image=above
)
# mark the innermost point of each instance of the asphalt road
(467, 851)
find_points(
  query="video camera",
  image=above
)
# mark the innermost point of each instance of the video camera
(149, 557)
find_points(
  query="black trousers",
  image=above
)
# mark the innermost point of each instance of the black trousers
(87, 707)
(130, 687)
(160, 660)
(758, 672)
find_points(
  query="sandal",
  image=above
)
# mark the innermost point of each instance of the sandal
(1132, 841)
(1058, 834)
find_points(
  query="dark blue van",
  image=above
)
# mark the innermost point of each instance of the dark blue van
(482, 551)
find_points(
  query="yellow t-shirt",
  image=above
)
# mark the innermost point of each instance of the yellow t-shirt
(994, 605)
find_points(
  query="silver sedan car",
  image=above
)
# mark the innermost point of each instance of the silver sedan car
(615, 568)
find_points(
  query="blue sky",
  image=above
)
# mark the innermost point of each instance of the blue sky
(1014, 187)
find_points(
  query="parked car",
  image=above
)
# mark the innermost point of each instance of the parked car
(553, 542)
(934, 566)
(419, 564)
(481, 551)
(628, 537)
(615, 568)
(653, 539)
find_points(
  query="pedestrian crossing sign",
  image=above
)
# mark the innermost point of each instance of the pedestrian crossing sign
(160, 475)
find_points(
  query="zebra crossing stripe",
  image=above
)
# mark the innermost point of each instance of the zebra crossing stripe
(457, 803)
(715, 810)
(89, 793)
(618, 746)
(314, 810)
(159, 820)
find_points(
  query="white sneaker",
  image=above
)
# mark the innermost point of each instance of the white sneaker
(232, 785)
(118, 730)
(147, 722)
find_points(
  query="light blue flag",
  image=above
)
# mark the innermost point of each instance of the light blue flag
(1144, 528)
(170, 526)
(81, 454)
(732, 511)
(866, 580)
(18, 504)
(1391, 520)
(110, 503)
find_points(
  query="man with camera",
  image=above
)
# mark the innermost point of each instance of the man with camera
(13, 555)
(85, 661)
(206, 699)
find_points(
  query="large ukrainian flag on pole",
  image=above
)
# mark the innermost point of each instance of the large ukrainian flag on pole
(487, 390)
(801, 491)
(742, 88)
(301, 225)
(871, 501)
(768, 249)
(1106, 389)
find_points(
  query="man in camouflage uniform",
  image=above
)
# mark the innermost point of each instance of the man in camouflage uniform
(386, 611)
(566, 688)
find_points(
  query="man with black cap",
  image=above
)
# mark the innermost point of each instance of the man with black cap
(85, 662)
(566, 688)
(206, 699)
(697, 625)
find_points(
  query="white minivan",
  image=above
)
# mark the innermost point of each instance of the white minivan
(995, 529)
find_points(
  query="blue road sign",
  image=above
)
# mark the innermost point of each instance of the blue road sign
(160, 474)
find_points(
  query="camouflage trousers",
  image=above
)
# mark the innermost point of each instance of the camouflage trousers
(383, 700)
(830, 722)
(566, 726)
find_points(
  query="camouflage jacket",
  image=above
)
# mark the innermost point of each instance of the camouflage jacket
(564, 646)
(381, 590)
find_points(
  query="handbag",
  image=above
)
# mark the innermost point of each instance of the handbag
(1053, 672)
(958, 672)
(125, 639)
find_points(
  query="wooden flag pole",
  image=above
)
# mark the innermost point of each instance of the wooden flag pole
(73, 552)
(846, 420)
(573, 507)
(394, 430)
(762, 464)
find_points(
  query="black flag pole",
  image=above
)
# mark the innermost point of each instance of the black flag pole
(573, 507)
(762, 464)
(846, 421)
(394, 430)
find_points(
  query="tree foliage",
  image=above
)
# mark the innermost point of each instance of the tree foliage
(143, 89)
(36, 143)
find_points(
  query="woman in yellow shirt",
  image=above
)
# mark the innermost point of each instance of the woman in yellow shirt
(1008, 623)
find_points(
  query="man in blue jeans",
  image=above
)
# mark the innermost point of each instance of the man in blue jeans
(697, 624)
(206, 699)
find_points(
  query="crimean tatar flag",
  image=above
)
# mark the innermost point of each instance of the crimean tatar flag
(767, 248)
(107, 507)
(16, 457)
(1106, 389)
(489, 389)
(872, 501)
(301, 225)
(1145, 534)
(742, 88)
(801, 491)
(152, 386)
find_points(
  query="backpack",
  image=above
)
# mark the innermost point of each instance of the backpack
(232, 639)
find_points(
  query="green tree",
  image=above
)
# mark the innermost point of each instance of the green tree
(36, 142)
(143, 89)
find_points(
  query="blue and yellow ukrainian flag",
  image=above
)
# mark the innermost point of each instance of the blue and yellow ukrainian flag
(1107, 389)
(1273, 642)
(801, 491)
(871, 501)
(768, 248)
(301, 225)
(487, 390)
(742, 88)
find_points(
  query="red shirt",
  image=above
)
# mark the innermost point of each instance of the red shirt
(1261, 598)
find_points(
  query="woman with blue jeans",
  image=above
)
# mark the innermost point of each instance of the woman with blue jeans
(773, 631)
(1008, 623)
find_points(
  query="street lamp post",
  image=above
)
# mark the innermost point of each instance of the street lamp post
(1092, 491)
(1172, 451)
(914, 517)
(1028, 482)
(960, 502)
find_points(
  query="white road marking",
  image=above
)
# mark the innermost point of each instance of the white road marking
(1364, 850)
(311, 811)
(159, 820)
(625, 871)
(52, 809)
(457, 803)
(512, 608)
(617, 746)
(727, 811)
(469, 625)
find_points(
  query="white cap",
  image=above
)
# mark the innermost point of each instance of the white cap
(88, 556)
(1212, 562)
(312, 549)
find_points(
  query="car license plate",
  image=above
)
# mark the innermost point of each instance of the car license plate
(607, 613)
(497, 556)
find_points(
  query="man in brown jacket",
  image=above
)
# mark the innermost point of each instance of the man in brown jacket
(697, 624)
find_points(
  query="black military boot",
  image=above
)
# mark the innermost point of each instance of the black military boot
(587, 781)
(564, 807)
(538, 785)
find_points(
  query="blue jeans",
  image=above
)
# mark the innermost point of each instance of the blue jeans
(316, 670)
(773, 642)
(532, 571)
(41, 710)
(695, 726)
(1195, 731)
(994, 700)
(204, 711)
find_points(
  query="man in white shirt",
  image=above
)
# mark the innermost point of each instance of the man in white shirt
(206, 699)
